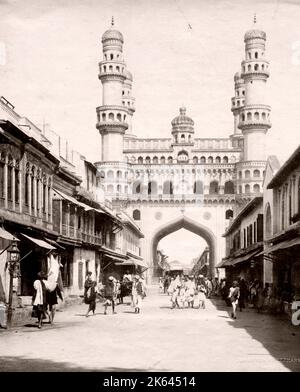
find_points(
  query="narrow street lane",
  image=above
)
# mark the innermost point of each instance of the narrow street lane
(158, 339)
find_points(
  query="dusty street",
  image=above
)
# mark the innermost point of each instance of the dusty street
(158, 339)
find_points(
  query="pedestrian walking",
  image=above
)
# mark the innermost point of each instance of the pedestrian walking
(39, 299)
(110, 295)
(243, 294)
(201, 296)
(90, 293)
(138, 294)
(234, 293)
(161, 285)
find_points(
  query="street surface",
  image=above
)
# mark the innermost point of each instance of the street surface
(157, 339)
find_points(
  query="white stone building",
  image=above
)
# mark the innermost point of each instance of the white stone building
(183, 181)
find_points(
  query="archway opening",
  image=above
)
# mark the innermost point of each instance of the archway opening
(206, 239)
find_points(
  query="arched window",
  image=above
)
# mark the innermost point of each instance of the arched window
(140, 160)
(136, 187)
(240, 174)
(119, 189)
(119, 174)
(110, 174)
(110, 68)
(119, 117)
(256, 55)
(111, 56)
(249, 55)
(225, 159)
(256, 188)
(110, 189)
(283, 210)
(243, 117)
(152, 188)
(263, 67)
(263, 115)
(182, 138)
(210, 159)
(247, 188)
(111, 116)
(240, 189)
(249, 116)
(117, 68)
(249, 67)
(218, 159)
(247, 174)
(147, 160)
(290, 203)
(229, 188)
(256, 116)
(168, 188)
(162, 160)
(9, 177)
(17, 182)
(198, 187)
(256, 173)
(170, 160)
(155, 160)
(2, 165)
(213, 188)
(103, 116)
(203, 160)
(136, 215)
(195, 160)
(256, 67)
(104, 68)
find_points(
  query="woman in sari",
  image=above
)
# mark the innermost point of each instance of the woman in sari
(90, 293)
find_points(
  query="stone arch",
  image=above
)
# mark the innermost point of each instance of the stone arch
(184, 222)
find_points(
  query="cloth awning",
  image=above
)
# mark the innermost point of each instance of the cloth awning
(7, 236)
(54, 243)
(115, 258)
(40, 243)
(73, 200)
(136, 263)
(283, 245)
(245, 257)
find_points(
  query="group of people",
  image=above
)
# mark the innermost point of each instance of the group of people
(45, 298)
(186, 291)
(112, 290)
(254, 294)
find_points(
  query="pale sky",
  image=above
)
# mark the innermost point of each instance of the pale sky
(189, 246)
(179, 52)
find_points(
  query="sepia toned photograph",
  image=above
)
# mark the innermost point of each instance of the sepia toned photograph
(149, 188)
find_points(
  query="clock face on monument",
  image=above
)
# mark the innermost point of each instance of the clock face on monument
(183, 157)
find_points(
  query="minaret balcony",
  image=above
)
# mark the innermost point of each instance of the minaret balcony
(112, 117)
(255, 68)
(255, 116)
(237, 103)
(112, 70)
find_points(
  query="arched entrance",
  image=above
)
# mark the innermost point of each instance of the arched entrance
(184, 222)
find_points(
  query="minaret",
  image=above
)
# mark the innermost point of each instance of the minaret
(127, 99)
(255, 115)
(112, 115)
(237, 103)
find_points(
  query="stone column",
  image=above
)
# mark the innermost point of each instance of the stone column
(68, 219)
(13, 185)
(34, 197)
(29, 193)
(5, 182)
(50, 203)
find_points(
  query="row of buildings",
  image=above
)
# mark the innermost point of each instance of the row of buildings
(53, 205)
(263, 239)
